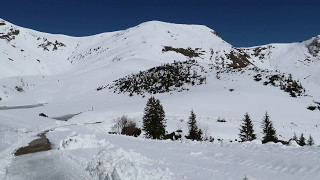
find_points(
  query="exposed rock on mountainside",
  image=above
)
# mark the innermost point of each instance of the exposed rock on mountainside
(314, 46)
(10, 35)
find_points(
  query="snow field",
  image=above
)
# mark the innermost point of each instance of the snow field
(65, 81)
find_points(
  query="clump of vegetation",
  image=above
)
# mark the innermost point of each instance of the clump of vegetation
(221, 119)
(174, 135)
(43, 115)
(257, 52)
(160, 79)
(257, 77)
(46, 44)
(123, 125)
(19, 88)
(287, 84)
(186, 52)
(239, 59)
(314, 107)
(131, 130)
(10, 35)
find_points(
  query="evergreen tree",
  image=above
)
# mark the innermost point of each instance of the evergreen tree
(153, 119)
(246, 129)
(310, 141)
(194, 132)
(302, 140)
(295, 138)
(268, 130)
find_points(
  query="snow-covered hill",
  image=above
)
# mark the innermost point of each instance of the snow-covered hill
(61, 75)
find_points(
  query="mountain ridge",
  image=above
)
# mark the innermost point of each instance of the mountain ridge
(104, 58)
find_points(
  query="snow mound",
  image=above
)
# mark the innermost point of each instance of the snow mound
(116, 164)
(293, 143)
(80, 141)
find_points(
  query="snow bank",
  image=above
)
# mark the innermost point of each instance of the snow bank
(80, 141)
(293, 143)
(115, 164)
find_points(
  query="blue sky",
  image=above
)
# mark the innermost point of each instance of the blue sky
(239, 22)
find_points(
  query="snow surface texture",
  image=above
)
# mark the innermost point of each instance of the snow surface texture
(59, 75)
(119, 164)
(81, 141)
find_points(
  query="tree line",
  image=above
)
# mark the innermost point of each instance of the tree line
(154, 126)
(270, 135)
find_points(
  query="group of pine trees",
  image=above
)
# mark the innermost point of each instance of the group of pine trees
(302, 140)
(154, 126)
(247, 130)
(154, 123)
(270, 135)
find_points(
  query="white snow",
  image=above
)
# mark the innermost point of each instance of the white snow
(116, 164)
(81, 141)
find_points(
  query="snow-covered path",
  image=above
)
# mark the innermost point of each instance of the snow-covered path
(51, 165)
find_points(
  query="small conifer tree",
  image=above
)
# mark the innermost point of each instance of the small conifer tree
(310, 141)
(269, 132)
(153, 119)
(295, 138)
(194, 132)
(302, 140)
(246, 129)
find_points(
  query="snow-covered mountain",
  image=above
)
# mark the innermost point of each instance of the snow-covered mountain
(110, 74)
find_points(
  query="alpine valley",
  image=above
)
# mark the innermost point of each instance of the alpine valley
(68, 91)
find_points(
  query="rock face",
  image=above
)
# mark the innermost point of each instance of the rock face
(314, 46)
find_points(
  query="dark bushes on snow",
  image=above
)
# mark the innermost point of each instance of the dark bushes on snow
(186, 52)
(43, 115)
(160, 79)
(173, 136)
(131, 130)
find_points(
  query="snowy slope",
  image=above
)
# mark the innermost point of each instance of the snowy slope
(300, 59)
(59, 75)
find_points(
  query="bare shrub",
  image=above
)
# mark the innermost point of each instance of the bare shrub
(121, 122)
